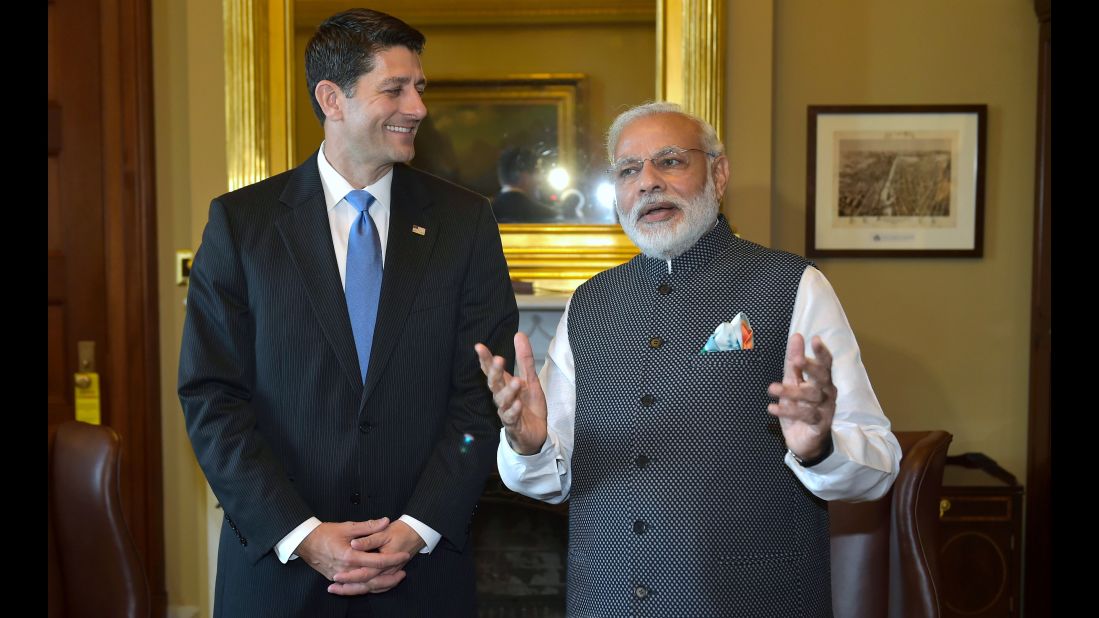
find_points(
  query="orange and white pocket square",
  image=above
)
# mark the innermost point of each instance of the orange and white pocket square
(736, 334)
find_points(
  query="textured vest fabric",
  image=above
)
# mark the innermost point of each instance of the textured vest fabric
(681, 504)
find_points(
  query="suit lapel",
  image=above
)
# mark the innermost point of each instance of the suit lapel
(308, 238)
(406, 257)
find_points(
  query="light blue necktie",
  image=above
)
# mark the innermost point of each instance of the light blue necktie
(364, 276)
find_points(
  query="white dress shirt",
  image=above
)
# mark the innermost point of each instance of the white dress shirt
(341, 215)
(866, 455)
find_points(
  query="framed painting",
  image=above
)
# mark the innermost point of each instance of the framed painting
(900, 181)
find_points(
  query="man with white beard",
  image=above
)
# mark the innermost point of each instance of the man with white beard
(678, 411)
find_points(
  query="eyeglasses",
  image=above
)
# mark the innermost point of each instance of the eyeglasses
(672, 161)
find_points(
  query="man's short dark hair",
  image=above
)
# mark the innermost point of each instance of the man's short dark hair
(514, 161)
(343, 48)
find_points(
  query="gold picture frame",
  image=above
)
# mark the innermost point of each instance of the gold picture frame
(259, 39)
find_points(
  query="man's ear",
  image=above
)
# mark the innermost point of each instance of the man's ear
(330, 98)
(721, 174)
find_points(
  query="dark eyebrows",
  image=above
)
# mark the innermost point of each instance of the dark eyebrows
(390, 82)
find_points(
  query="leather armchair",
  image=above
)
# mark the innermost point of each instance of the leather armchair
(94, 569)
(885, 552)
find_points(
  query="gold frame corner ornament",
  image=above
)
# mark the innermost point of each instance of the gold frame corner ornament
(259, 121)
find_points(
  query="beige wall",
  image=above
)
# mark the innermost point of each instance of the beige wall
(945, 341)
(188, 78)
(749, 100)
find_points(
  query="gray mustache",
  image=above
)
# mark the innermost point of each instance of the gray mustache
(650, 199)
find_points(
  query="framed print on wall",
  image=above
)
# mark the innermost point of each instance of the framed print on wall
(896, 180)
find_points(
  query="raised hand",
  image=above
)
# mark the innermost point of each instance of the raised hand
(806, 398)
(520, 402)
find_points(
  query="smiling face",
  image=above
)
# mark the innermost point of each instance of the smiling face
(665, 211)
(373, 128)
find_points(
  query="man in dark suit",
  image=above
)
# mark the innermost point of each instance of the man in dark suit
(326, 372)
(515, 170)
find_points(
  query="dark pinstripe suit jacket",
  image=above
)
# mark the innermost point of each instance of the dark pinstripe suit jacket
(280, 421)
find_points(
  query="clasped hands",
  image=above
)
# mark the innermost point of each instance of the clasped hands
(361, 557)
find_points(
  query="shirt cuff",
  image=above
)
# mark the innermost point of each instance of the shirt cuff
(862, 466)
(541, 476)
(426, 532)
(532, 470)
(289, 543)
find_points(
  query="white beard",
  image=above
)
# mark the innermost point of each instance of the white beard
(667, 240)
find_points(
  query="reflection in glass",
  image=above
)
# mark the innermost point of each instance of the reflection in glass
(521, 140)
(519, 176)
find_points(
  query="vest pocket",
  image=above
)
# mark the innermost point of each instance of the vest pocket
(717, 360)
(769, 586)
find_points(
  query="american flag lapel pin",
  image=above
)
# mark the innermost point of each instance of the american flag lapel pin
(419, 230)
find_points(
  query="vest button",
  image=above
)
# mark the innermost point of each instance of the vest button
(640, 592)
(640, 527)
(664, 289)
(356, 497)
(641, 460)
(365, 427)
(655, 342)
(648, 401)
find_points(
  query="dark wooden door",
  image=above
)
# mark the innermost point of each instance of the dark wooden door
(101, 242)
